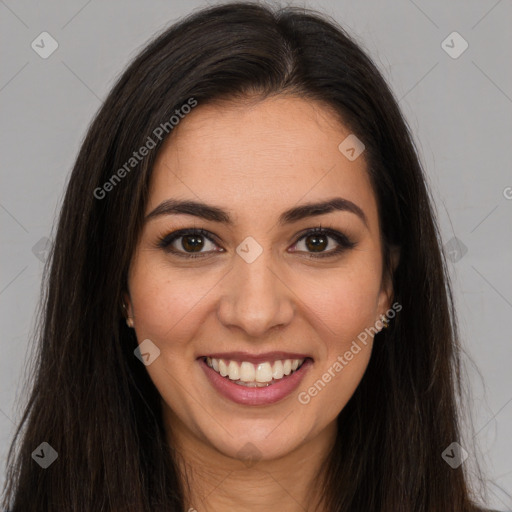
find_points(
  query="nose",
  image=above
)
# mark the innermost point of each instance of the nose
(255, 297)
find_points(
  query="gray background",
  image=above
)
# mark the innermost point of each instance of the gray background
(459, 111)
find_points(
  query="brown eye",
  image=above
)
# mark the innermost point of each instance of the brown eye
(316, 243)
(318, 240)
(192, 243)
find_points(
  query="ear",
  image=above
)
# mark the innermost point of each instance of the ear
(127, 309)
(387, 292)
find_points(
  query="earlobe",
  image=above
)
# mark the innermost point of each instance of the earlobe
(127, 310)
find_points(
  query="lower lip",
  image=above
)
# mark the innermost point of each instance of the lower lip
(256, 396)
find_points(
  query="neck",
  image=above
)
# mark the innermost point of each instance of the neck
(214, 482)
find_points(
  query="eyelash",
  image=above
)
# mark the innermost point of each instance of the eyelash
(343, 241)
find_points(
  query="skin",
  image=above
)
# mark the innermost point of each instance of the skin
(256, 159)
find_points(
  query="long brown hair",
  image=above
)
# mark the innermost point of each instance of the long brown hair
(93, 402)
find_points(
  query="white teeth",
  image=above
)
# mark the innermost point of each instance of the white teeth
(277, 371)
(264, 372)
(247, 372)
(254, 375)
(223, 368)
(233, 371)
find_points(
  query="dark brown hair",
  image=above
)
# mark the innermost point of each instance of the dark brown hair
(93, 401)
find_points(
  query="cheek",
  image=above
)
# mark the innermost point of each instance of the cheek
(345, 305)
(345, 300)
(167, 304)
(346, 311)
(165, 300)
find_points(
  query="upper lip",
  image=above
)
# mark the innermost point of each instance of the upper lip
(255, 358)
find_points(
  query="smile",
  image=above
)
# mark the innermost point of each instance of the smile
(255, 380)
(247, 374)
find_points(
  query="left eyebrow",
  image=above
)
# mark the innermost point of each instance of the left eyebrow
(216, 214)
(312, 209)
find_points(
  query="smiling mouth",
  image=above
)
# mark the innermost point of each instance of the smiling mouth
(251, 375)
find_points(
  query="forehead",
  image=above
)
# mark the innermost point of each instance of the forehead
(260, 157)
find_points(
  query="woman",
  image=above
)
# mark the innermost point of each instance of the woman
(247, 306)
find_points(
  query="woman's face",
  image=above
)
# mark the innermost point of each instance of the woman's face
(263, 291)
